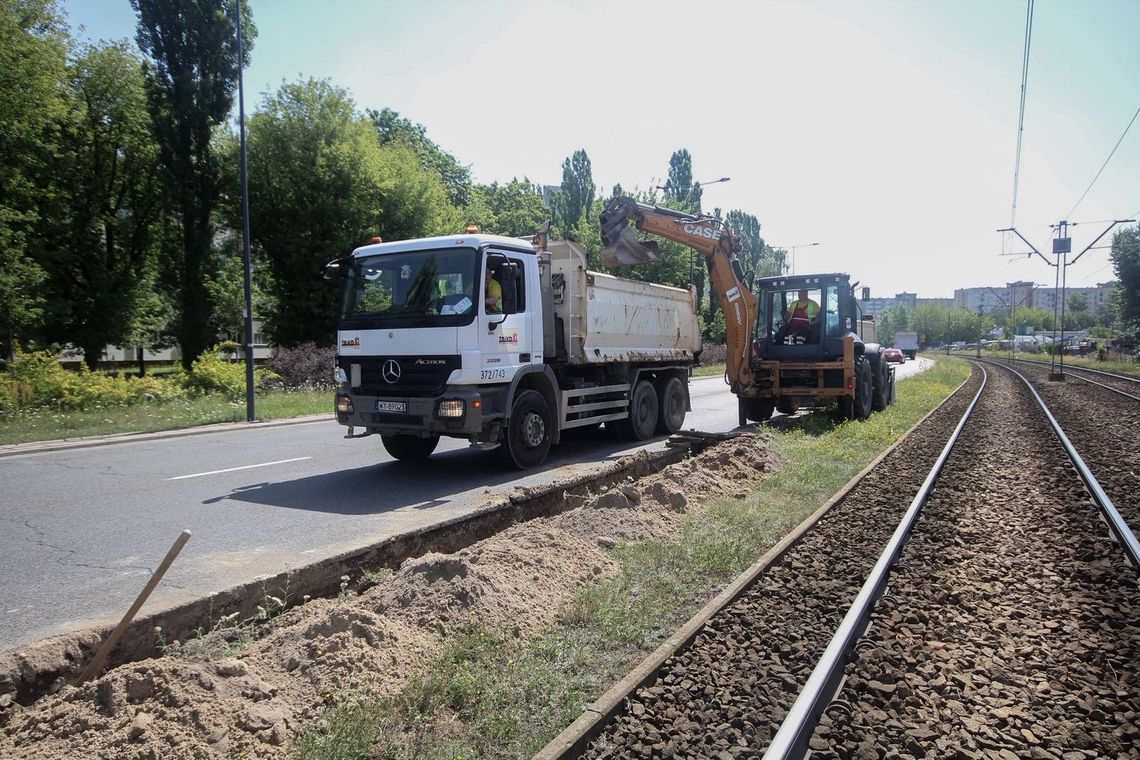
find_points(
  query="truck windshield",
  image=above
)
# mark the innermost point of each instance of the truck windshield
(434, 287)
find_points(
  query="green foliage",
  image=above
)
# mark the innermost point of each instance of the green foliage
(514, 209)
(577, 196)
(1125, 257)
(99, 241)
(213, 373)
(37, 379)
(321, 184)
(191, 73)
(394, 128)
(33, 54)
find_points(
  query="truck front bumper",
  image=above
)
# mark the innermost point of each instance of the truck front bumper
(458, 411)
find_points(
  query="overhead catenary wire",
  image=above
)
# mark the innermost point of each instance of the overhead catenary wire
(1021, 110)
(1110, 155)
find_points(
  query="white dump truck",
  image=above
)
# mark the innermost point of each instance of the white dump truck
(505, 341)
(907, 342)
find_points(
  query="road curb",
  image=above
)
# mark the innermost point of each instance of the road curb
(63, 444)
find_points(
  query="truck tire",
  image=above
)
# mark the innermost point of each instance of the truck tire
(754, 409)
(787, 405)
(529, 431)
(642, 421)
(409, 448)
(879, 380)
(671, 405)
(859, 407)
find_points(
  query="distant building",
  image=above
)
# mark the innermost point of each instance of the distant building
(1023, 294)
(877, 306)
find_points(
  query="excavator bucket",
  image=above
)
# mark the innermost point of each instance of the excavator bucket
(625, 250)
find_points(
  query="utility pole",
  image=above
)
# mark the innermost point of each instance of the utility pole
(250, 416)
(1062, 247)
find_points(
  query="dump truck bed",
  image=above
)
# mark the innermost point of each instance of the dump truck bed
(613, 319)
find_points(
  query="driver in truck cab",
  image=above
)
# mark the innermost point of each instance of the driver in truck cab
(494, 293)
(801, 316)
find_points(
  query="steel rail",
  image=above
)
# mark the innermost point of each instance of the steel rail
(1077, 377)
(791, 740)
(1073, 367)
(1120, 530)
(1102, 385)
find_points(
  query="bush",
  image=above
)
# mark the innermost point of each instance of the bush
(38, 379)
(304, 366)
(211, 373)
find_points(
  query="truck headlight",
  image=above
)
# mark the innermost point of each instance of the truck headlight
(340, 376)
(451, 408)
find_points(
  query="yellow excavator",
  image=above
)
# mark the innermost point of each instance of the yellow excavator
(769, 365)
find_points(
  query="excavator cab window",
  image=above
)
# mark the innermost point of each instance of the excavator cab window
(795, 321)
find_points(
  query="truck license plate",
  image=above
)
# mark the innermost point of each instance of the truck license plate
(392, 406)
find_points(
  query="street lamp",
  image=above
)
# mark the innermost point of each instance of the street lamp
(666, 188)
(793, 248)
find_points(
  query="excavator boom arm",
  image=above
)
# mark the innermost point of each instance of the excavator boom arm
(715, 241)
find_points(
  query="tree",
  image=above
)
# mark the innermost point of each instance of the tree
(679, 187)
(1125, 257)
(577, 195)
(191, 74)
(320, 185)
(1077, 316)
(33, 71)
(513, 209)
(394, 128)
(100, 242)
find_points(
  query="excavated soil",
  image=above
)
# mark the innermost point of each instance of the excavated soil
(368, 642)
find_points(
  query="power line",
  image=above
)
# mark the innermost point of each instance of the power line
(1021, 113)
(1110, 154)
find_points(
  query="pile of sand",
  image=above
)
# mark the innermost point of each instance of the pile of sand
(330, 649)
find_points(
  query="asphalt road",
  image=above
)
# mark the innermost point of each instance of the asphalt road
(82, 529)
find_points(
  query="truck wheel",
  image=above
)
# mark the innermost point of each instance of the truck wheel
(642, 420)
(787, 405)
(526, 440)
(879, 380)
(864, 388)
(754, 409)
(409, 448)
(671, 398)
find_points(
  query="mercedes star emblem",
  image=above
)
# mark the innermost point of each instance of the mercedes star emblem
(391, 371)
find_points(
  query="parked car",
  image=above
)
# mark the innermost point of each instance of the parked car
(894, 355)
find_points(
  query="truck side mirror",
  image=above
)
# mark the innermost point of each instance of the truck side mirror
(509, 277)
(335, 269)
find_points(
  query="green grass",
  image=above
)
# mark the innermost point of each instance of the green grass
(707, 370)
(491, 696)
(1120, 366)
(43, 424)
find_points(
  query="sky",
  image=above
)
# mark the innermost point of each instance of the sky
(883, 130)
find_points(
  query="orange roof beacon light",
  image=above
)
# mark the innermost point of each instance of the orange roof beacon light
(377, 239)
(471, 229)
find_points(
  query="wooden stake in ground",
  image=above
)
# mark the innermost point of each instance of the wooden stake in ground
(109, 644)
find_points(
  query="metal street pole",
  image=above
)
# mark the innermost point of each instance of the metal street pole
(249, 401)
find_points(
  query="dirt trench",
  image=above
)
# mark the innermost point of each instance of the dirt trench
(256, 700)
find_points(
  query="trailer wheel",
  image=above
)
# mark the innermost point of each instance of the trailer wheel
(754, 409)
(642, 420)
(409, 448)
(671, 401)
(527, 438)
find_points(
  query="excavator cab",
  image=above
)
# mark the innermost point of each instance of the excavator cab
(809, 349)
(804, 318)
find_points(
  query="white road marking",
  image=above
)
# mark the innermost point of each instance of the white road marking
(235, 469)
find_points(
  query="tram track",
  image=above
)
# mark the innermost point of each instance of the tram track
(1009, 625)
